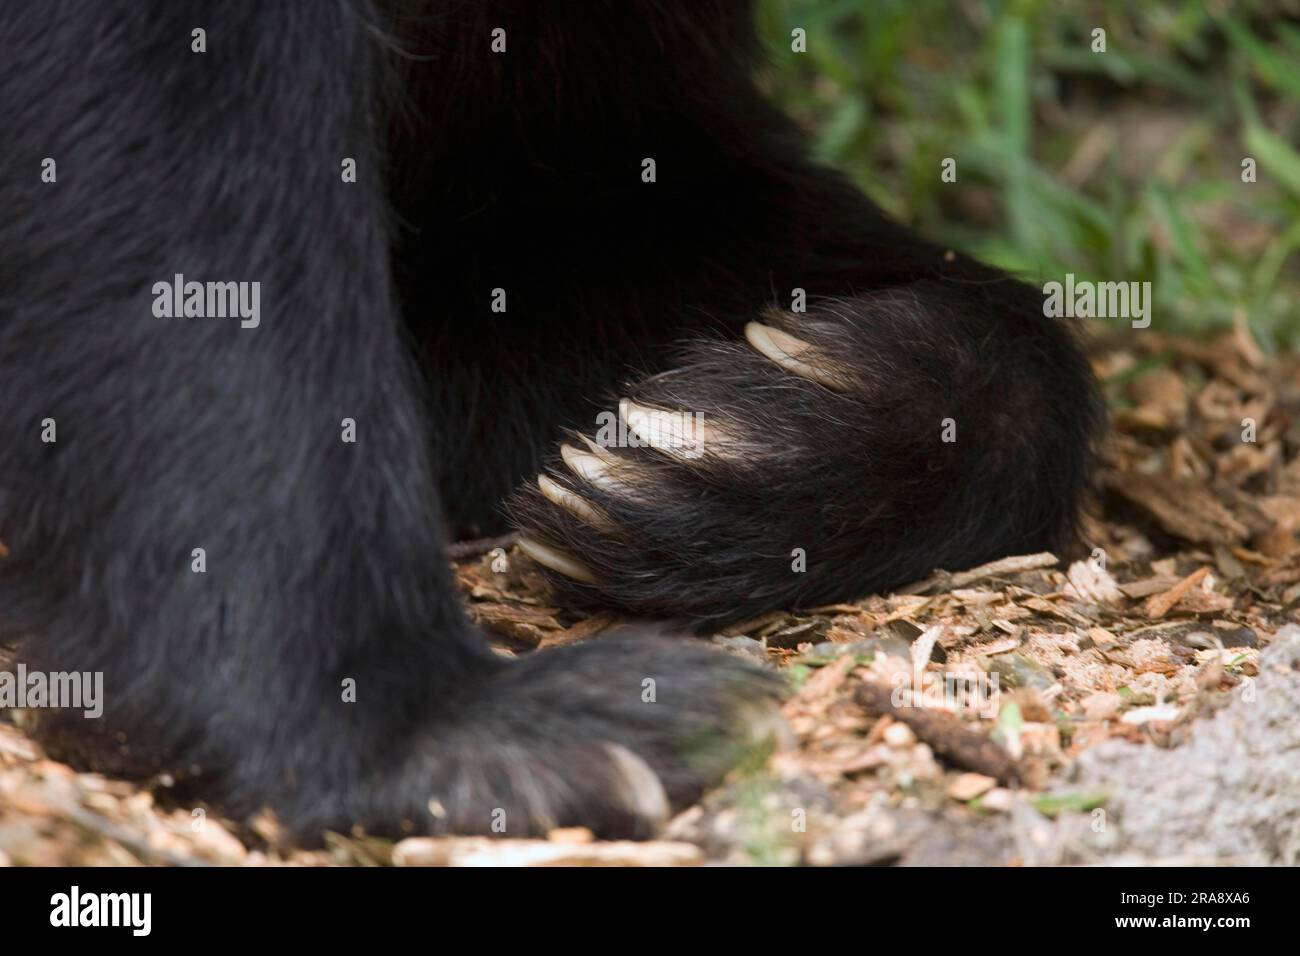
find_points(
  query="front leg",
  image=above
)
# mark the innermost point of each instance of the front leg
(266, 598)
(819, 458)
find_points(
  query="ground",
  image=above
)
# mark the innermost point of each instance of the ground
(1132, 704)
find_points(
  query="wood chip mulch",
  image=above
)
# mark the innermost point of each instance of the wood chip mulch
(958, 696)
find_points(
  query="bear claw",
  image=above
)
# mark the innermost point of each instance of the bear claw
(556, 560)
(792, 354)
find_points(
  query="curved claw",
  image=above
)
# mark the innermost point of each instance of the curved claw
(573, 503)
(681, 434)
(590, 467)
(556, 560)
(794, 355)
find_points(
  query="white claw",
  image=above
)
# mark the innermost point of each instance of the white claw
(591, 468)
(640, 788)
(600, 451)
(679, 433)
(574, 504)
(792, 354)
(558, 561)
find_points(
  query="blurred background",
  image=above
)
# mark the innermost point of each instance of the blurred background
(1117, 166)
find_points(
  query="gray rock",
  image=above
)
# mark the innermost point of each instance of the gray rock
(1229, 795)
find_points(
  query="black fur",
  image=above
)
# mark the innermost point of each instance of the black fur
(857, 481)
(477, 171)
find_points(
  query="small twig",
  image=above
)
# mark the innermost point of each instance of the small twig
(1158, 605)
(946, 735)
(460, 550)
(946, 581)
